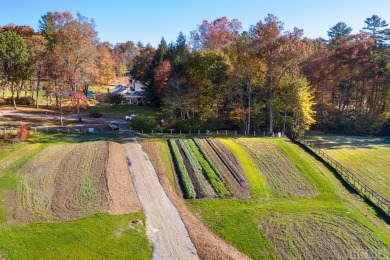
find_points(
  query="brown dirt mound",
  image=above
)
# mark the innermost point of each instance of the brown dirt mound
(208, 245)
(123, 196)
(319, 236)
(71, 181)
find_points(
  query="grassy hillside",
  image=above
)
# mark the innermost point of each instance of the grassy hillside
(298, 208)
(87, 236)
(368, 157)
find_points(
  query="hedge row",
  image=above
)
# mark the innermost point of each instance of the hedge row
(209, 172)
(188, 188)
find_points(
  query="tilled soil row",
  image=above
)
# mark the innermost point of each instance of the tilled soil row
(72, 181)
(282, 174)
(239, 189)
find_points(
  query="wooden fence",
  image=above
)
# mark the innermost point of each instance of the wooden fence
(349, 176)
(57, 130)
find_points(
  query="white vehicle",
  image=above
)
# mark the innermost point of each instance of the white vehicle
(129, 118)
(114, 125)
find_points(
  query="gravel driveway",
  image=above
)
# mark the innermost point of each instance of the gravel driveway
(164, 225)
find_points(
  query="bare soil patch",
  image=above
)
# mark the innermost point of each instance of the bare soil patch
(153, 152)
(123, 198)
(319, 236)
(282, 174)
(208, 245)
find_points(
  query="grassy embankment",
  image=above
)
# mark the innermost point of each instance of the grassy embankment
(368, 157)
(274, 226)
(101, 236)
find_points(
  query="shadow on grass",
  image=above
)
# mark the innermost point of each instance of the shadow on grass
(379, 212)
(347, 142)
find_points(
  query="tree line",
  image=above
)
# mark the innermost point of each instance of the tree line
(269, 79)
(64, 57)
(221, 76)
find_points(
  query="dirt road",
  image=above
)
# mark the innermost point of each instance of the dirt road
(164, 225)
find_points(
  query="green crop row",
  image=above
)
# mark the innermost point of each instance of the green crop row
(187, 150)
(198, 144)
(204, 185)
(210, 174)
(227, 163)
(188, 188)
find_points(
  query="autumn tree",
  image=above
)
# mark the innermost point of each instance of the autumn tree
(161, 75)
(73, 40)
(124, 54)
(245, 79)
(215, 35)
(180, 99)
(105, 65)
(37, 50)
(280, 52)
(297, 99)
(208, 70)
(13, 54)
(142, 64)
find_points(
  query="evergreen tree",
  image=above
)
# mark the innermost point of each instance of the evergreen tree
(376, 28)
(338, 31)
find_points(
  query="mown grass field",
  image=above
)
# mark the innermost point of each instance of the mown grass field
(328, 223)
(126, 110)
(98, 236)
(368, 157)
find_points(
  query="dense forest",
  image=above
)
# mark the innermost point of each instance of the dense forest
(220, 76)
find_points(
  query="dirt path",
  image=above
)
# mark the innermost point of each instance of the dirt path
(164, 225)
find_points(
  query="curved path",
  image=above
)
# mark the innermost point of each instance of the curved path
(164, 225)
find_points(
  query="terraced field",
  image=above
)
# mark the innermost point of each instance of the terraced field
(227, 165)
(282, 174)
(205, 170)
(77, 182)
(67, 182)
(368, 157)
(299, 210)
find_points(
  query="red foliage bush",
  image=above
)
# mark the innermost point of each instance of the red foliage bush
(23, 132)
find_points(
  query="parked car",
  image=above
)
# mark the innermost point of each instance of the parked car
(114, 125)
(90, 95)
(129, 118)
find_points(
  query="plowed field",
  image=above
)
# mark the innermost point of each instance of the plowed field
(76, 180)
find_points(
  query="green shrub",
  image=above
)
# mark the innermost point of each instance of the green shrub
(184, 177)
(115, 99)
(189, 124)
(95, 113)
(22, 101)
(146, 124)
